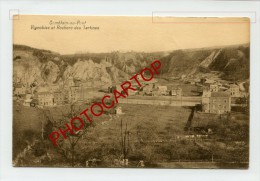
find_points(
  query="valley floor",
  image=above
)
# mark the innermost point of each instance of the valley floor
(156, 135)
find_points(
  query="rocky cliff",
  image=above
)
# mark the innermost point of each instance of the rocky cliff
(29, 67)
(45, 67)
(232, 61)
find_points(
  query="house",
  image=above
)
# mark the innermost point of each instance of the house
(216, 102)
(19, 90)
(27, 102)
(162, 90)
(58, 98)
(176, 92)
(148, 89)
(213, 88)
(206, 100)
(234, 90)
(76, 93)
(119, 110)
(28, 99)
(45, 99)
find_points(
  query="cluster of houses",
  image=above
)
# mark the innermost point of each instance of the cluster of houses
(159, 90)
(216, 97)
(70, 91)
(150, 88)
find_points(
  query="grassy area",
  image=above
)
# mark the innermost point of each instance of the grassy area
(158, 121)
(146, 125)
(27, 125)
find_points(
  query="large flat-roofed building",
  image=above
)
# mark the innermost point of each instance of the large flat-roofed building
(216, 102)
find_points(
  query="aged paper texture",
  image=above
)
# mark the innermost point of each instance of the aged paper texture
(132, 92)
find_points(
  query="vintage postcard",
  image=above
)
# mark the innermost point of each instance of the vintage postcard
(131, 92)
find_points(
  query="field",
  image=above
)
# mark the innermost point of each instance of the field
(151, 135)
(154, 121)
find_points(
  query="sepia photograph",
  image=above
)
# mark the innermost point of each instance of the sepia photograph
(131, 92)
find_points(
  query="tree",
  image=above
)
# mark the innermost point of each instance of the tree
(67, 147)
(124, 141)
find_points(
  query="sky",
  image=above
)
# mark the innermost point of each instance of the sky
(128, 33)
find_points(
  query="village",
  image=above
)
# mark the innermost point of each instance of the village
(97, 99)
(210, 99)
(213, 96)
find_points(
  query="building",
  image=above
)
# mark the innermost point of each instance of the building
(27, 102)
(216, 102)
(213, 88)
(176, 92)
(76, 94)
(162, 90)
(220, 102)
(19, 90)
(234, 90)
(45, 99)
(148, 89)
(28, 99)
(119, 110)
(58, 98)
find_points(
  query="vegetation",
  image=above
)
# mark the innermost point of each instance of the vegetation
(154, 134)
(231, 61)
